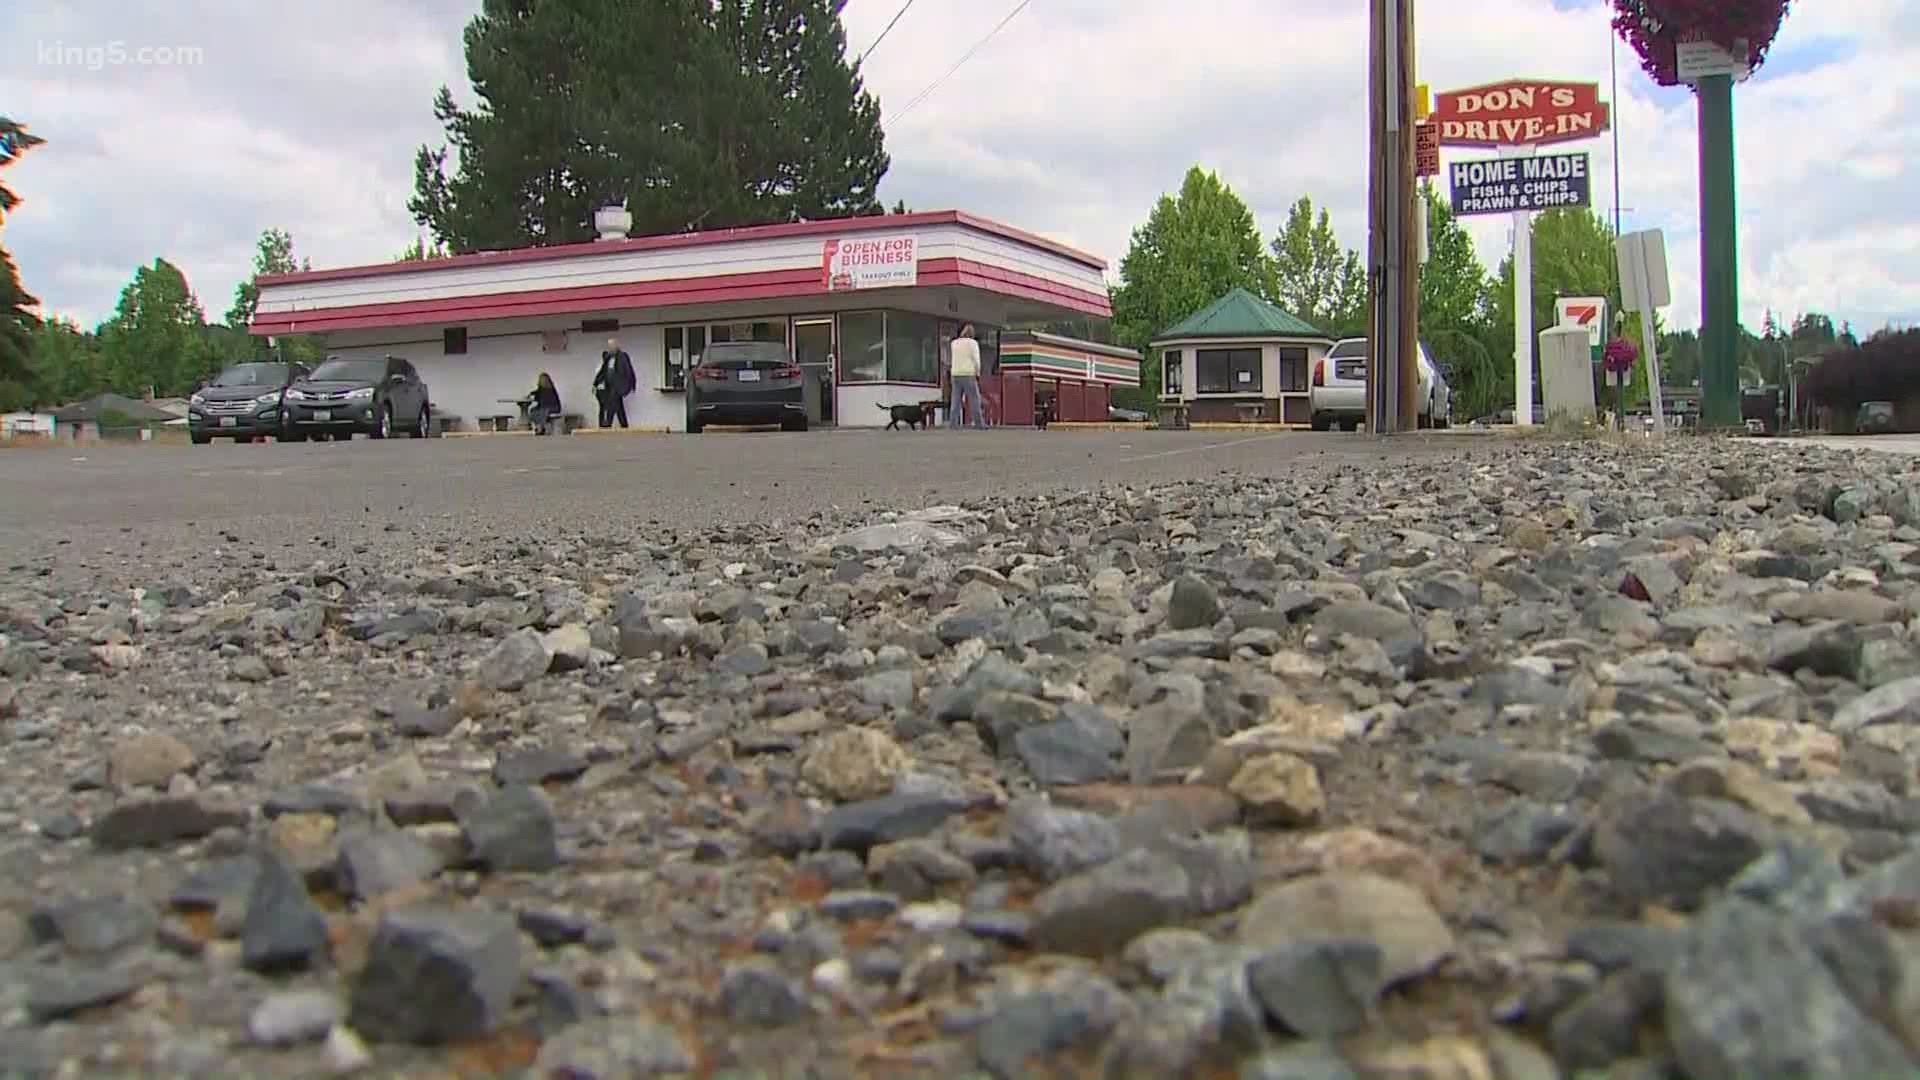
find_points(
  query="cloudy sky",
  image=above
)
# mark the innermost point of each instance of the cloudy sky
(182, 128)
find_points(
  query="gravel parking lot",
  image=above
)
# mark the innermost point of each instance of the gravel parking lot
(1010, 755)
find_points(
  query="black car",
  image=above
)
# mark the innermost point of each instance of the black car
(377, 396)
(746, 382)
(242, 403)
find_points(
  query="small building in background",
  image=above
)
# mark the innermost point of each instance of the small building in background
(1240, 359)
(27, 425)
(109, 416)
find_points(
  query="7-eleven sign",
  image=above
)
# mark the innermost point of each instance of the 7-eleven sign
(1587, 311)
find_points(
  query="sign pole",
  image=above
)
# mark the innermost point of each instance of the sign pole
(1522, 304)
(1719, 259)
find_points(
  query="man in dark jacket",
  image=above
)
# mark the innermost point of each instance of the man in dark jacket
(613, 382)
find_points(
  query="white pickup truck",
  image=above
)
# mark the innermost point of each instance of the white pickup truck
(1338, 394)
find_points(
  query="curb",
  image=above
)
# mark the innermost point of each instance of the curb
(650, 429)
(486, 434)
(1214, 425)
(1099, 425)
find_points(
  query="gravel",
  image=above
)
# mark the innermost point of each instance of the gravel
(1522, 759)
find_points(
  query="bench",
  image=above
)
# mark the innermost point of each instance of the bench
(1173, 416)
(1251, 411)
(495, 422)
(440, 423)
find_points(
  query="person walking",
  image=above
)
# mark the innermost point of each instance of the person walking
(613, 382)
(544, 409)
(963, 367)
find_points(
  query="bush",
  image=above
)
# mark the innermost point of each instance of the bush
(1885, 367)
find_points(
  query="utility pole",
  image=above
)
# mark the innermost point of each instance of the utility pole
(1393, 240)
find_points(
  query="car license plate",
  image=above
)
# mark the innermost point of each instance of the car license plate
(228, 421)
(323, 416)
(749, 375)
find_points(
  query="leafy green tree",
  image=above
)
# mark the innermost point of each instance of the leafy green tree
(1314, 277)
(1193, 249)
(1456, 313)
(273, 254)
(693, 115)
(15, 140)
(157, 337)
(67, 363)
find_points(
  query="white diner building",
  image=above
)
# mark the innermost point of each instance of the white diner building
(867, 306)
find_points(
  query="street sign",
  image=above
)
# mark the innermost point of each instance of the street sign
(1697, 58)
(1642, 256)
(1426, 149)
(1505, 185)
(1422, 101)
(1587, 312)
(1520, 112)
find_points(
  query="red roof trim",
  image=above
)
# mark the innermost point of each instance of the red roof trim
(718, 288)
(873, 223)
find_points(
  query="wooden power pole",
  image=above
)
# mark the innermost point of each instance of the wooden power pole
(1393, 237)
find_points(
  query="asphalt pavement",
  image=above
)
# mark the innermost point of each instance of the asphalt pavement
(436, 488)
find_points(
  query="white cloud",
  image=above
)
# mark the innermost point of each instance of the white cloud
(1070, 122)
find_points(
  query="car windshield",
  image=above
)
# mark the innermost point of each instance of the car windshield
(1349, 347)
(252, 375)
(340, 370)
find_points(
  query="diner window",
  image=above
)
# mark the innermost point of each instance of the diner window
(1227, 371)
(599, 326)
(453, 340)
(1173, 374)
(683, 347)
(863, 346)
(763, 330)
(913, 347)
(1293, 369)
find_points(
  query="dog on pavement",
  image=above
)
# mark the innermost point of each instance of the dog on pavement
(915, 416)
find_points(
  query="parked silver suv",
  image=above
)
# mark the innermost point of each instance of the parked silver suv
(1338, 394)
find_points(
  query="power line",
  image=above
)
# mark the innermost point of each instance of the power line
(935, 84)
(868, 51)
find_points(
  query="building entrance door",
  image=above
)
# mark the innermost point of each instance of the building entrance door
(813, 351)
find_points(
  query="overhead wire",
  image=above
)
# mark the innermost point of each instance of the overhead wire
(968, 55)
(868, 51)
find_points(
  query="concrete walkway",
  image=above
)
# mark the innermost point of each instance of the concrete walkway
(1891, 444)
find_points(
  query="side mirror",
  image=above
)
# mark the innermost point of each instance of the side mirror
(396, 378)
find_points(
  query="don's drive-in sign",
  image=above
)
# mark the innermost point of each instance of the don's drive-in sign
(1503, 185)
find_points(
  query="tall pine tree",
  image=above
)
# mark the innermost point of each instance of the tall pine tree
(18, 323)
(694, 113)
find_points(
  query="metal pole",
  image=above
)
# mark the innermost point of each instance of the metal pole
(1407, 414)
(1613, 64)
(1719, 258)
(1376, 218)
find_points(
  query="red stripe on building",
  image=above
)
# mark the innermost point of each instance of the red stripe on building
(783, 231)
(672, 292)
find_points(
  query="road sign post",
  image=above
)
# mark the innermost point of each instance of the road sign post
(1517, 117)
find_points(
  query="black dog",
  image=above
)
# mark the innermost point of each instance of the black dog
(914, 416)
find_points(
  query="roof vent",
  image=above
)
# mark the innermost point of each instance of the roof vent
(613, 222)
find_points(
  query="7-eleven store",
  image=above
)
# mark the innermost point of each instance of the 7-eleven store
(865, 305)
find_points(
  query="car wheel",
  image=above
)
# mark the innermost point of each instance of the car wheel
(1349, 425)
(199, 439)
(1318, 423)
(420, 424)
(695, 427)
(383, 425)
(794, 425)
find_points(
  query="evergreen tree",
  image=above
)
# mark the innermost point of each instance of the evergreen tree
(691, 113)
(18, 323)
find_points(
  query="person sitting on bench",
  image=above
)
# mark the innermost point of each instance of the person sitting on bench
(544, 411)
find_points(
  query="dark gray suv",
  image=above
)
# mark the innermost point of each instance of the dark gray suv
(378, 397)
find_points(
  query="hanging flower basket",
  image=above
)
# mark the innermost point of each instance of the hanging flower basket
(1655, 27)
(1619, 356)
